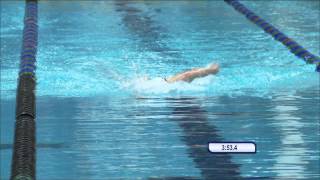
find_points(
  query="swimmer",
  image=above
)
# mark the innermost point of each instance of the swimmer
(190, 75)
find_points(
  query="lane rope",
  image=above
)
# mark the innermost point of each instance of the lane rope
(24, 151)
(292, 45)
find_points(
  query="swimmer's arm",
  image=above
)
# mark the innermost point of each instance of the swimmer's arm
(191, 75)
(187, 76)
(172, 79)
(199, 73)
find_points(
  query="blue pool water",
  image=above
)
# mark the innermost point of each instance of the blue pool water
(97, 118)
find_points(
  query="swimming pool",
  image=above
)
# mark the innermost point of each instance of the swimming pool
(97, 118)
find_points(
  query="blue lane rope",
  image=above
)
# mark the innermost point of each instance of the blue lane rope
(30, 37)
(23, 156)
(292, 45)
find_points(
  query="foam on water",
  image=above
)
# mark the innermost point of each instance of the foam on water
(158, 86)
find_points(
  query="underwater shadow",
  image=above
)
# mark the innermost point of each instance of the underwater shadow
(150, 35)
(193, 120)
